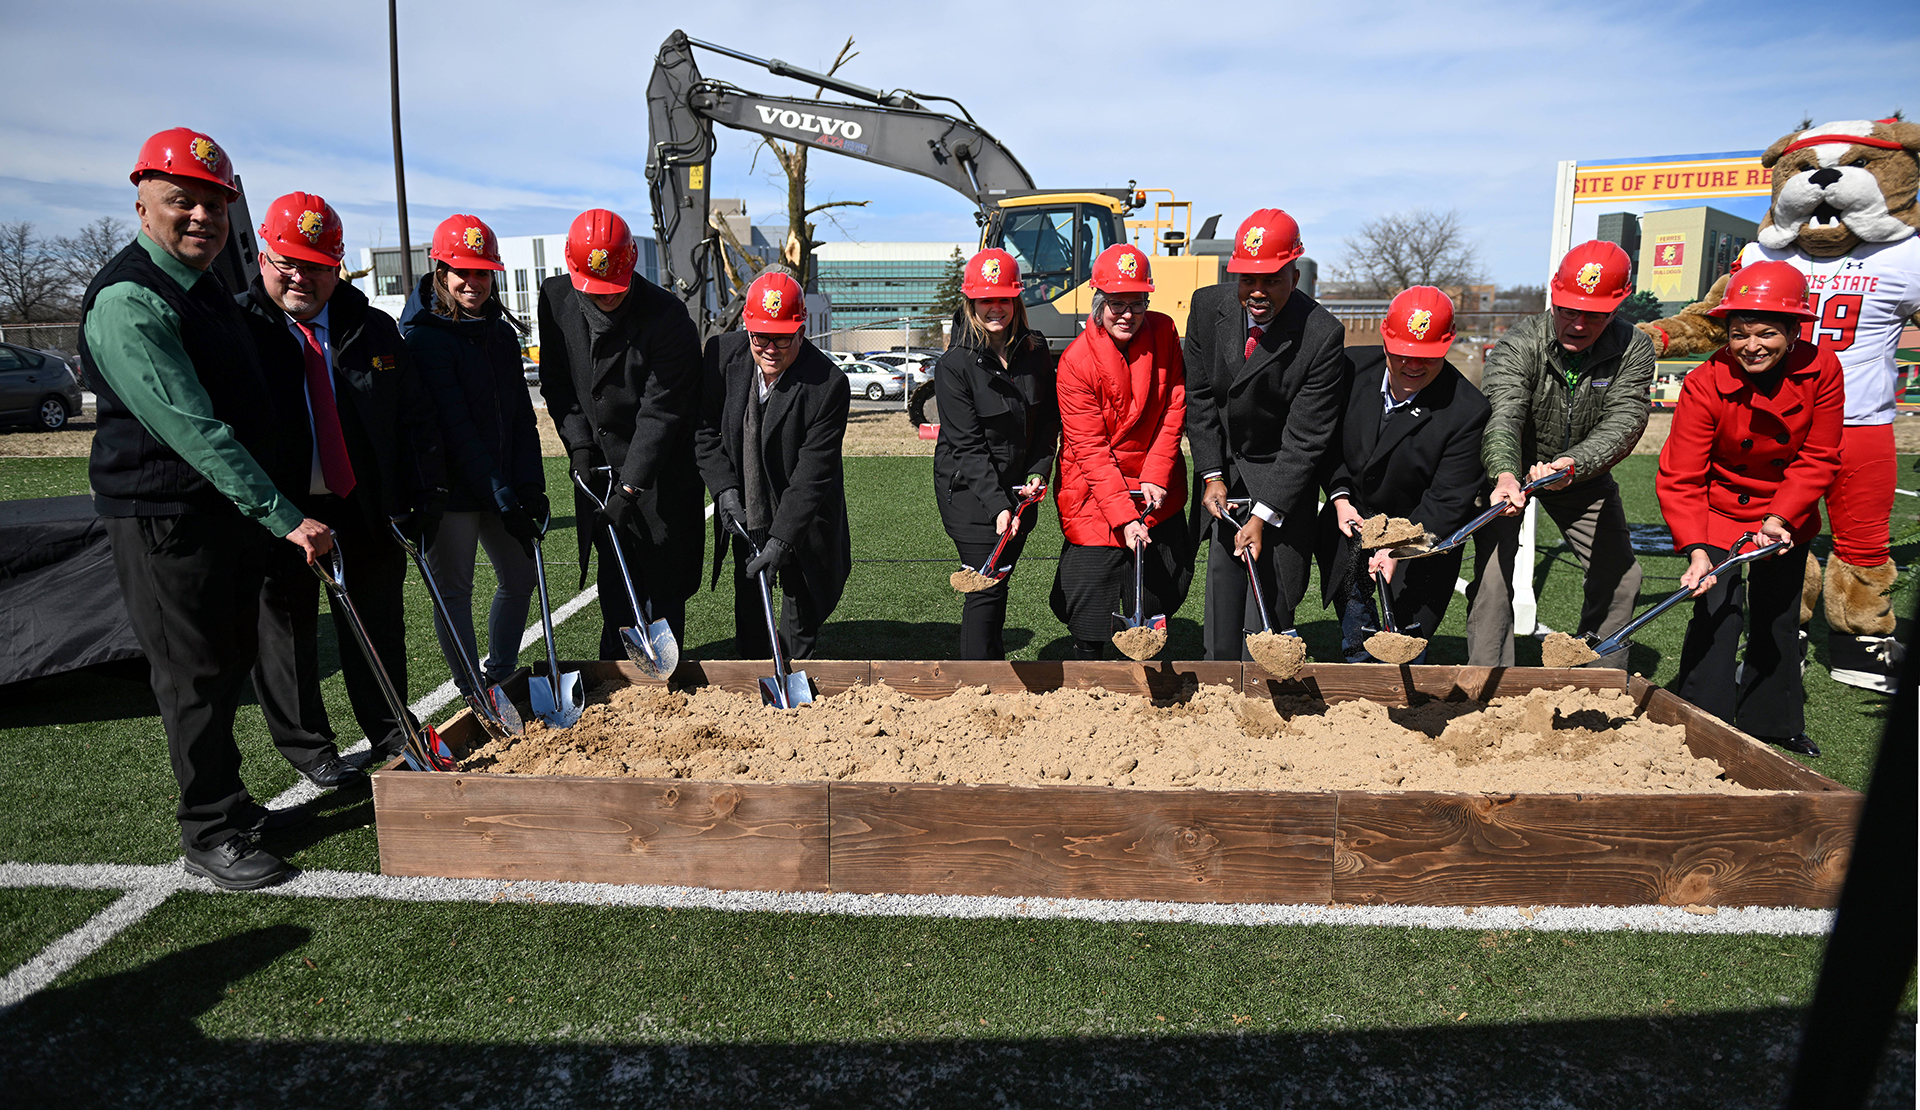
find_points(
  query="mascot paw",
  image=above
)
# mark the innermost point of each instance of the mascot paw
(1856, 598)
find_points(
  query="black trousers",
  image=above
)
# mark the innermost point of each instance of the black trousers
(1285, 556)
(1095, 582)
(983, 615)
(616, 612)
(1770, 699)
(800, 615)
(192, 589)
(1420, 593)
(287, 675)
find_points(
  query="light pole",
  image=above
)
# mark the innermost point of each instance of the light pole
(399, 164)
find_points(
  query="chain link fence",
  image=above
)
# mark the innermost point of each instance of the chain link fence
(62, 339)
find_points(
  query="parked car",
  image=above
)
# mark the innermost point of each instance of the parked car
(874, 381)
(917, 365)
(37, 388)
(530, 370)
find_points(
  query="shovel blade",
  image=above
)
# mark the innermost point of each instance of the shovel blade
(652, 649)
(559, 708)
(794, 692)
(438, 754)
(503, 709)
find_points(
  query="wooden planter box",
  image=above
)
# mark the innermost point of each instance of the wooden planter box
(1334, 846)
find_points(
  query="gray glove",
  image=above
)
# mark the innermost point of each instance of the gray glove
(727, 504)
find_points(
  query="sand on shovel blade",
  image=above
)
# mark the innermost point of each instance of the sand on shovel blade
(1385, 531)
(970, 581)
(1394, 647)
(1562, 650)
(1278, 654)
(1140, 643)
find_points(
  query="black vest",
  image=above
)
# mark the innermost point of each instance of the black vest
(133, 473)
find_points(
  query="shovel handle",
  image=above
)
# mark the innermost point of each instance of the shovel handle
(1246, 558)
(1386, 604)
(1479, 522)
(1026, 501)
(643, 613)
(1735, 557)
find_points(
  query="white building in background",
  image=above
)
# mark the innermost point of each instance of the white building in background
(529, 260)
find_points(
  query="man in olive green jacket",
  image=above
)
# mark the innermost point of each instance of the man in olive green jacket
(1569, 390)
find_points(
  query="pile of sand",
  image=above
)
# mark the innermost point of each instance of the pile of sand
(1278, 654)
(1562, 650)
(1395, 647)
(1140, 643)
(970, 581)
(1386, 531)
(1558, 741)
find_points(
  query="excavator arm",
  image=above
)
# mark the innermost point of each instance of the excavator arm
(896, 131)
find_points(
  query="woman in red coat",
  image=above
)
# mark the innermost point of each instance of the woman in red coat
(1755, 443)
(1123, 403)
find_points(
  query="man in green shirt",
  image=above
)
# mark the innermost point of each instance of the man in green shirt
(1569, 390)
(186, 476)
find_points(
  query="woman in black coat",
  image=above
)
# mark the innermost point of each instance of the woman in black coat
(620, 372)
(467, 349)
(999, 423)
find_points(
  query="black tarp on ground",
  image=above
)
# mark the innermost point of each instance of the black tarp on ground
(60, 606)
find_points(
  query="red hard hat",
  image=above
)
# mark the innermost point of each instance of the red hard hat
(1419, 323)
(1594, 277)
(775, 305)
(600, 252)
(186, 153)
(465, 243)
(1122, 268)
(1766, 287)
(1265, 243)
(991, 273)
(303, 226)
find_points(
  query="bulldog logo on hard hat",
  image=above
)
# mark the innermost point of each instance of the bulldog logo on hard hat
(1129, 265)
(1255, 237)
(1588, 279)
(990, 271)
(597, 262)
(474, 238)
(203, 149)
(311, 224)
(1418, 321)
(770, 302)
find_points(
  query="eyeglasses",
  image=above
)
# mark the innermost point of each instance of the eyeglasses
(771, 342)
(1575, 315)
(1127, 308)
(289, 267)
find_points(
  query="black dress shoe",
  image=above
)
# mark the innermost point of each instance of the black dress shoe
(1799, 742)
(332, 773)
(264, 820)
(235, 864)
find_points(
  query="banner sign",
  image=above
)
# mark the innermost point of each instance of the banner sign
(1679, 177)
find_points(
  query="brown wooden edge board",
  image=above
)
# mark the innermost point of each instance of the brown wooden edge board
(1192, 846)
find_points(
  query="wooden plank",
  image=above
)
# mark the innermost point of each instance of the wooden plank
(1747, 761)
(1614, 849)
(1082, 842)
(737, 836)
(1390, 685)
(938, 678)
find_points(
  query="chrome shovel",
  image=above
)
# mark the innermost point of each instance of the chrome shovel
(489, 703)
(425, 751)
(654, 651)
(559, 699)
(1735, 557)
(1421, 551)
(784, 689)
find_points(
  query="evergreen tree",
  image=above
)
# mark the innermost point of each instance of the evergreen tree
(947, 298)
(1641, 308)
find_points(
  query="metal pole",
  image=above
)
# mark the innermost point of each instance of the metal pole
(399, 165)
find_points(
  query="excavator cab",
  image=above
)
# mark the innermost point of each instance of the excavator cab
(1055, 236)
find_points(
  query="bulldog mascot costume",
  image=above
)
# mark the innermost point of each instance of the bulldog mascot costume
(1843, 213)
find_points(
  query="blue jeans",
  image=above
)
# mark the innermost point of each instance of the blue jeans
(1359, 619)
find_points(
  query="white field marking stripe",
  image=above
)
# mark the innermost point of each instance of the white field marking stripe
(304, 791)
(353, 884)
(62, 955)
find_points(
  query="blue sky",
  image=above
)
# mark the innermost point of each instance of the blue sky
(527, 113)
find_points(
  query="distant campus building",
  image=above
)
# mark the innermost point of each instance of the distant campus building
(1678, 253)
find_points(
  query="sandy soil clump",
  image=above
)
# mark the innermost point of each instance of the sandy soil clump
(1278, 654)
(1214, 738)
(1562, 650)
(1386, 531)
(970, 581)
(1140, 643)
(1395, 647)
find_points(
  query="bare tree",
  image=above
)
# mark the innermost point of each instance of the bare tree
(89, 250)
(798, 249)
(33, 281)
(1419, 247)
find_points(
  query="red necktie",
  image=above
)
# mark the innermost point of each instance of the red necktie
(334, 466)
(1253, 339)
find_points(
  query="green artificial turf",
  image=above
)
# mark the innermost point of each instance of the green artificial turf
(230, 999)
(33, 917)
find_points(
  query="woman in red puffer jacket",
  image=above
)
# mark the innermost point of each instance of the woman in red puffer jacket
(1123, 481)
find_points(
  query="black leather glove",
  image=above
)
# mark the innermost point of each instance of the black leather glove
(621, 508)
(772, 557)
(728, 505)
(533, 502)
(584, 461)
(423, 523)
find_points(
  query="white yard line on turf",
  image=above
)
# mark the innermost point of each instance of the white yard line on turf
(57, 958)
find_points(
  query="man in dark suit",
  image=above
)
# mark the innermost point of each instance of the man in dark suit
(1409, 447)
(374, 455)
(773, 414)
(1266, 376)
(620, 372)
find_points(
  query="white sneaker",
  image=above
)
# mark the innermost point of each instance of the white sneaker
(1869, 662)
